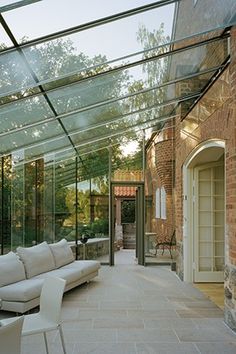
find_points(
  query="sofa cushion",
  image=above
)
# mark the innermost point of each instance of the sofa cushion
(70, 275)
(86, 267)
(62, 253)
(22, 291)
(11, 269)
(37, 259)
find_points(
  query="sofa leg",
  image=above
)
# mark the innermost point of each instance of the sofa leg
(46, 342)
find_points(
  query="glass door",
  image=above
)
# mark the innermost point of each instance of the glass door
(209, 223)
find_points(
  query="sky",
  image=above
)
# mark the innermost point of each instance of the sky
(113, 40)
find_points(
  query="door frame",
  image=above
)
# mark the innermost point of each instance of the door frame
(140, 207)
(187, 225)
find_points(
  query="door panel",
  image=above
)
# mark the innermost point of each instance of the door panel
(209, 222)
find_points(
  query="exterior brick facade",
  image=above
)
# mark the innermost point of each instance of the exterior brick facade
(160, 173)
(213, 117)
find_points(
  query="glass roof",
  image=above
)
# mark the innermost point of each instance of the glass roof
(74, 84)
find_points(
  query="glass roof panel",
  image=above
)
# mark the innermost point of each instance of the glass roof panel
(45, 147)
(6, 5)
(5, 41)
(124, 82)
(19, 114)
(13, 73)
(163, 100)
(204, 16)
(113, 129)
(30, 136)
(26, 22)
(83, 49)
(99, 106)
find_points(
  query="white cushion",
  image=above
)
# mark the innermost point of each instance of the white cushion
(86, 267)
(24, 290)
(70, 275)
(37, 259)
(62, 253)
(11, 269)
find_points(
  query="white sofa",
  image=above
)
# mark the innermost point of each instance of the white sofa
(22, 273)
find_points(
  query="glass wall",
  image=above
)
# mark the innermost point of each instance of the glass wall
(58, 196)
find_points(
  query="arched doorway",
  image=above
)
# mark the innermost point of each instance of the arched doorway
(204, 213)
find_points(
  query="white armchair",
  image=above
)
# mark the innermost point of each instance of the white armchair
(49, 316)
(10, 336)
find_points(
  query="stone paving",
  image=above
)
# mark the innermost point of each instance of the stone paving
(130, 309)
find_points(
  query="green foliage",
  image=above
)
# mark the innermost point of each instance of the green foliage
(128, 211)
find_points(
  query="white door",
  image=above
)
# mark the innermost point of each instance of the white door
(209, 222)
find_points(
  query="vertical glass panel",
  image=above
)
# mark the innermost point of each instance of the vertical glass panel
(30, 204)
(5, 205)
(218, 187)
(219, 172)
(127, 158)
(18, 200)
(218, 218)
(205, 188)
(219, 233)
(205, 249)
(93, 206)
(219, 249)
(205, 218)
(219, 203)
(205, 174)
(65, 199)
(49, 199)
(205, 264)
(98, 245)
(204, 203)
(219, 264)
(205, 233)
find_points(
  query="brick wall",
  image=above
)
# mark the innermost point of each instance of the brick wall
(159, 173)
(214, 117)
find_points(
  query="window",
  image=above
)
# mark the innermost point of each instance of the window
(158, 203)
(161, 203)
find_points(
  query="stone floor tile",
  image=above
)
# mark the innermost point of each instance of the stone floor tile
(77, 324)
(90, 336)
(147, 335)
(217, 348)
(168, 323)
(125, 305)
(204, 335)
(118, 323)
(166, 348)
(101, 314)
(104, 348)
(200, 313)
(145, 314)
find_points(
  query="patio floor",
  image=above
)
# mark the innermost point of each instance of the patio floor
(130, 309)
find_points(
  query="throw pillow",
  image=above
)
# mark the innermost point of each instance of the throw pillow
(12, 269)
(37, 259)
(62, 253)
